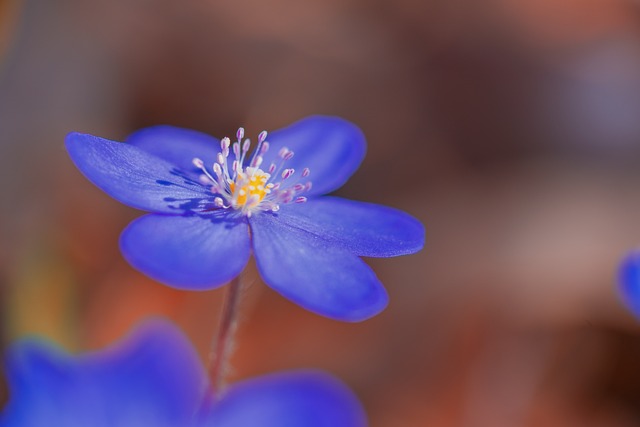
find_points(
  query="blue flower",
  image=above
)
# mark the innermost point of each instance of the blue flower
(154, 379)
(629, 279)
(213, 204)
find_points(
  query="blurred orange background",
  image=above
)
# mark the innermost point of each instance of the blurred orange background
(511, 128)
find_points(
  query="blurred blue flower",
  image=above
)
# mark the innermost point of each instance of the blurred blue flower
(212, 204)
(154, 379)
(629, 278)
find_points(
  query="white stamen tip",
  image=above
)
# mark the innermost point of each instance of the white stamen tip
(245, 145)
(305, 172)
(262, 136)
(225, 142)
(287, 173)
(300, 199)
(288, 156)
(240, 133)
(218, 202)
(264, 148)
(220, 158)
(283, 152)
(198, 163)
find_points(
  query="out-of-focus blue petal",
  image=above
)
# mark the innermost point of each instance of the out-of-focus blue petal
(364, 229)
(153, 378)
(188, 252)
(314, 272)
(630, 281)
(135, 177)
(332, 148)
(177, 146)
(295, 399)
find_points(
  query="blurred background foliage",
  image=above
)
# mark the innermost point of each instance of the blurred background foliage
(511, 128)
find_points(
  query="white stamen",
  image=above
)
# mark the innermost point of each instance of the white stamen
(253, 188)
(262, 136)
(283, 152)
(287, 173)
(205, 180)
(253, 200)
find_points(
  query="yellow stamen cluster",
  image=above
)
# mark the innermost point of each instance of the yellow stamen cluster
(250, 188)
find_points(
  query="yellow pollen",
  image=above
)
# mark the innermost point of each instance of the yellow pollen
(251, 187)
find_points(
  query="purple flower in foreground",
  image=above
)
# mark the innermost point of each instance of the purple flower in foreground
(154, 379)
(629, 278)
(213, 203)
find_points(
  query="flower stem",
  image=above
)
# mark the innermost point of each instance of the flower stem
(222, 345)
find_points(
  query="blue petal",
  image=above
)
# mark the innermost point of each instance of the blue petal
(294, 399)
(188, 252)
(630, 281)
(134, 177)
(364, 229)
(332, 148)
(314, 272)
(177, 146)
(153, 378)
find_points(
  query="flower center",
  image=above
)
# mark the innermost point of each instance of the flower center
(246, 187)
(250, 187)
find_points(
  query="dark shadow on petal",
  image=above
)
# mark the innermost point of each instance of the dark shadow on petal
(196, 204)
(228, 218)
(188, 180)
(187, 204)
